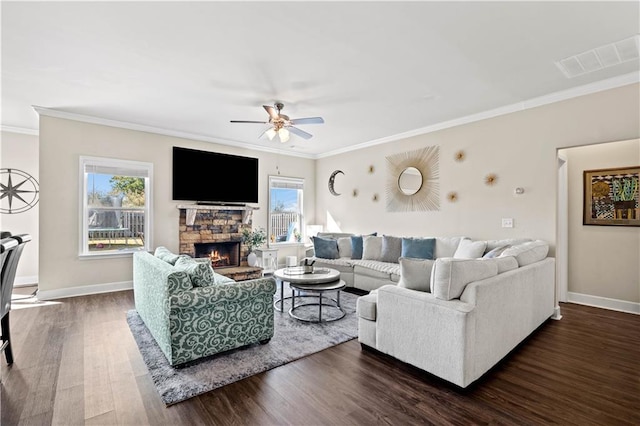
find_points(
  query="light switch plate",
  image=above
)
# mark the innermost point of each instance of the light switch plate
(507, 222)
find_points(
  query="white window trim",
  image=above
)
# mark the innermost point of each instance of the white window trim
(83, 241)
(296, 180)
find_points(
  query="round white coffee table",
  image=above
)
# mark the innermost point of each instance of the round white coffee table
(297, 275)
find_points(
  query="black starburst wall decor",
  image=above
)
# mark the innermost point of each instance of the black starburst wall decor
(19, 191)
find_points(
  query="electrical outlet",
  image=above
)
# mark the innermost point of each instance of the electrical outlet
(507, 222)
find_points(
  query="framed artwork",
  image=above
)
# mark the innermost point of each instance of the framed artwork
(611, 197)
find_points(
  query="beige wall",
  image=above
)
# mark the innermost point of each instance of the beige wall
(604, 261)
(61, 144)
(521, 148)
(20, 151)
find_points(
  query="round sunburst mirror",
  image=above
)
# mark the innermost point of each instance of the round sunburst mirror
(413, 180)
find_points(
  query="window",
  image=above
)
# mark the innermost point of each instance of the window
(285, 210)
(115, 206)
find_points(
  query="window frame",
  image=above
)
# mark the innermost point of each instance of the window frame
(83, 240)
(295, 181)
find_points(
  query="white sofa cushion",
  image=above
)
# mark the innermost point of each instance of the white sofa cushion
(415, 274)
(492, 244)
(450, 276)
(528, 253)
(504, 264)
(468, 249)
(371, 247)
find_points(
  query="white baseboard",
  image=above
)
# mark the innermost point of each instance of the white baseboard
(84, 290)
(25, 281)
(604, 302)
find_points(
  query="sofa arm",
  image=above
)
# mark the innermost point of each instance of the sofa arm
(199, 297)
(432, 334)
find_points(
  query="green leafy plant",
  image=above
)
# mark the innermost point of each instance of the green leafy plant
(253, 238)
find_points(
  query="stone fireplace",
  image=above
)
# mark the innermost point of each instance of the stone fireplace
(215, 232)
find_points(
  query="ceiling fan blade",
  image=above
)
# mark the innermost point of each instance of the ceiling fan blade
(308, 120)
(271, 111)
(299, 132)
(244, 121)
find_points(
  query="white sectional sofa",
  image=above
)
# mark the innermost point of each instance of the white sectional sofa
(370, 272)
(457, 315)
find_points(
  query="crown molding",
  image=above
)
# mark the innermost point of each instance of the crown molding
(21, 130)
(56, 113)
(611, 83)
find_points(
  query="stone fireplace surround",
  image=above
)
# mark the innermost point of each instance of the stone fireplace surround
(213, 224)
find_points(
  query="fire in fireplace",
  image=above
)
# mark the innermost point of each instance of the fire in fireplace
(224, 254)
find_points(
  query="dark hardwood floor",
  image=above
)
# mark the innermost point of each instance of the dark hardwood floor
(76, 363)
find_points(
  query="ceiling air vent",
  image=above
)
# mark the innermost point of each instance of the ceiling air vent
(601, 57)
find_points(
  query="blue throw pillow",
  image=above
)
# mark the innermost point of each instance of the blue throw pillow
(357, 245)
(326, 248)
(418, 248)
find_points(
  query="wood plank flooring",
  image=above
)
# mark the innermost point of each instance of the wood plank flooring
(77, 363)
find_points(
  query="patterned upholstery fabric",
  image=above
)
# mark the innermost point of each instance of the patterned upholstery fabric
(192, 322)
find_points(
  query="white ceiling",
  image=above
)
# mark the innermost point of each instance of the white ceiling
(373, 70)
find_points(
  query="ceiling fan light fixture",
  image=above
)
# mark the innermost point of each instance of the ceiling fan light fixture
(284, 135)
(271, 133)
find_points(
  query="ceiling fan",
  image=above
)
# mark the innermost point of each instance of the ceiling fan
(281, 124)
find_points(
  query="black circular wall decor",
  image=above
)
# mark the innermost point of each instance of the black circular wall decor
(19, 191)
(332, 180)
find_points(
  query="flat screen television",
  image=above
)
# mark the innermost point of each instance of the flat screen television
(214, 178)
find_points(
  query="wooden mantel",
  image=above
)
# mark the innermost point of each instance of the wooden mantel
(192, 209)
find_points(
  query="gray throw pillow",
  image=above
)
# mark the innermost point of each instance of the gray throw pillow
(415, 274)
(391, 249)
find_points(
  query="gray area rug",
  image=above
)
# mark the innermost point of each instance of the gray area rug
(292, 340)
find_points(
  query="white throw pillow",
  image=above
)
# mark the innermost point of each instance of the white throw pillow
(450, 276)
(371, 247)
(344, 246)
(528, 253)
(415, 274)
(468, 249)
(446, 246)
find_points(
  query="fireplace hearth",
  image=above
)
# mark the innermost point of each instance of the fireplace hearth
(224, 254)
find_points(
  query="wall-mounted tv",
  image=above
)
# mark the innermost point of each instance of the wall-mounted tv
(214, 178)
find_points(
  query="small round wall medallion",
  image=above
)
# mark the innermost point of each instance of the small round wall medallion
(490, 179)
(452, 196)
(459, 156)
(19, 191)
(332, 181)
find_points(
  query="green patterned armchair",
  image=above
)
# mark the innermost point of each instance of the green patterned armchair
(193, 321)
